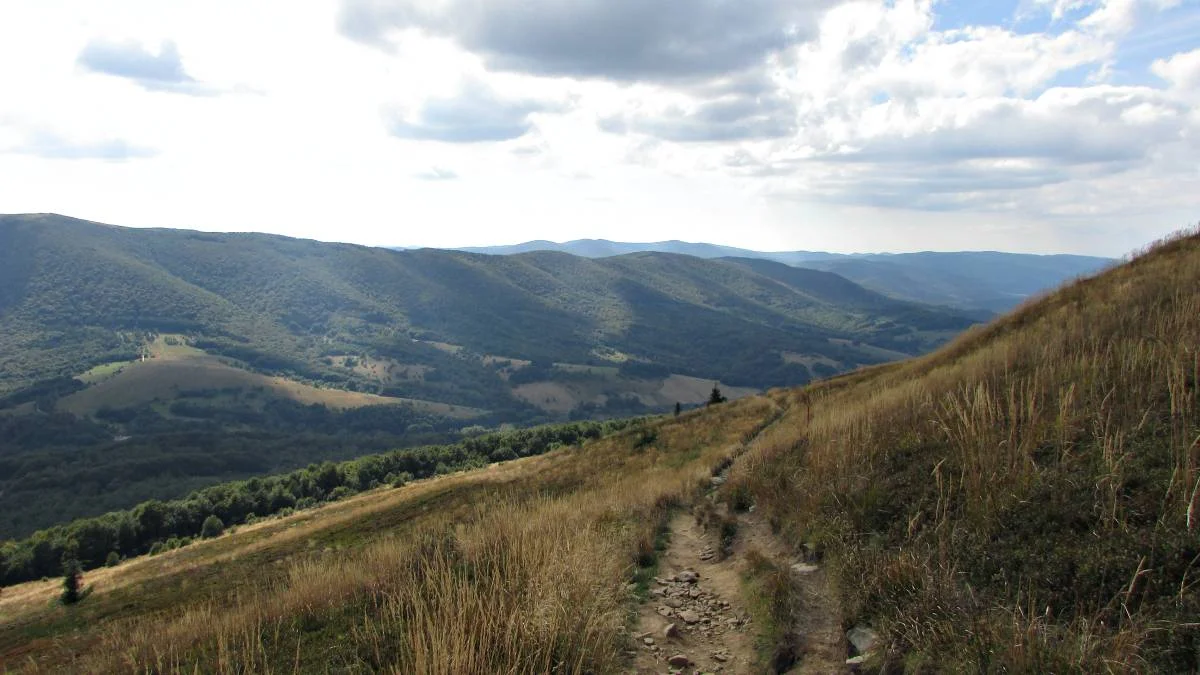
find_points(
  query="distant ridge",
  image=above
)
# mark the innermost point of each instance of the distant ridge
(603, 248)
(988, 281)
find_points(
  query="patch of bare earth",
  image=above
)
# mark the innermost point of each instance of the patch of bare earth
(695, 612)
(697, 620)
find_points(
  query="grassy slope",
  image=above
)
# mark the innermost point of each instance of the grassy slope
(1023, 500)
(521, 567)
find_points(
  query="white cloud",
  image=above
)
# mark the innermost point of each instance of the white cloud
(771, 124)
(1182, 70)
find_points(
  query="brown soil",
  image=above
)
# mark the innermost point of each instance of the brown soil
(723, 640)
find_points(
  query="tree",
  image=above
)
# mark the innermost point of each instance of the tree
(72, 576)
(212, 527)
(678, 408)
(716, 396)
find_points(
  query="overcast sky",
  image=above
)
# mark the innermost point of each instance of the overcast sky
(1028, 125)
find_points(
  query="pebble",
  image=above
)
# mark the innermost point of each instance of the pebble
(679, 661)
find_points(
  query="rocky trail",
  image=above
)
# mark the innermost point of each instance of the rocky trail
(697, 617)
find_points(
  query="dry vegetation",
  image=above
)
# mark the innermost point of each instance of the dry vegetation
(530, 566)
(1023, 500)
(162, 378)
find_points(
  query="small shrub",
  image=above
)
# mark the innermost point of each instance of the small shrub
(739, 498)
(113, 559)
(212, 527)
(645, 438)
(728, 530)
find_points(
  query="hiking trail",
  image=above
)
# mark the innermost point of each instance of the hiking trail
(697, 619)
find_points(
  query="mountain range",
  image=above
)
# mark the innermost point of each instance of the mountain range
(142, 363)
(990, 281)
(1022, 500)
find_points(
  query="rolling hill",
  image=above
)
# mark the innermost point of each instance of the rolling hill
(1021, 500)
(78, 295)
(144, 363)
(976, 281)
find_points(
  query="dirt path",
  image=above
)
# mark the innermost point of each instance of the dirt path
(701, 598)
(697, 620)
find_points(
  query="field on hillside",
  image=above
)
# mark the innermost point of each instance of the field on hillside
(599, 386)
(529, 566)
(172, 367)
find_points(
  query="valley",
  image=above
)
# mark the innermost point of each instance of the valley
(142, 364)
(1020, 500)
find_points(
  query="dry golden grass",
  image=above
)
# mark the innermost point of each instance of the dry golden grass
(1073, 420)
(522, 567)
(163, 378)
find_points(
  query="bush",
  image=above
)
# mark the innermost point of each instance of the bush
(113, 559)
(72, 574)
(212, 527)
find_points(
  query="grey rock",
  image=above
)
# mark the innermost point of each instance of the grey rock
(671, 631)
(862, 638)
(804, 568)
(689, 616)
(687, 577)
(679, 661)
(674, 603)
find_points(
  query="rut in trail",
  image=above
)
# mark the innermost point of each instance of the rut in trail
(697, 617)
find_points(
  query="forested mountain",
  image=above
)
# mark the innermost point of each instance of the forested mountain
(986, 281)
(144, 363)
(73, 290)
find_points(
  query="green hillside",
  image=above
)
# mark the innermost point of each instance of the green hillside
(76, 291)
(144, 363)
(1021, 500)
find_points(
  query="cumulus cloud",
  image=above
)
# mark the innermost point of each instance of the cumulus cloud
(893, 113)
(476, 114)
(727, 118)
(622, 40)
(131, 60)
(1182, 70)
(1064, 125)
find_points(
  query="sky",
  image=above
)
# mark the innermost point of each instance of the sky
(1040, 126)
